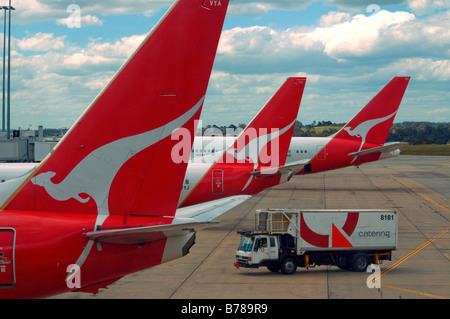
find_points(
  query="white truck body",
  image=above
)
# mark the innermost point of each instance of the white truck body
(318, 237)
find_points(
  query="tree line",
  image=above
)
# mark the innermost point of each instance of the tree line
(420, 133)
(412, 132)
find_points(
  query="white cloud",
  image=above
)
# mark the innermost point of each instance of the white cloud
(347, 58)
(359, 35)
(122, 48)
(228, 95)
(363, 4)
(341, 43)
(333, 18)
(53, 86)
(421, 69)
(41, 42)
(29, 11)
(251, 40)
(444, 111)
(79, 60)
(421, 7)
(87, 20)
(257, 8)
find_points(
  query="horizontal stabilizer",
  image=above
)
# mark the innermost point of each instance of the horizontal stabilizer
(382, 149)
(14, 170)
(186, 221)
(209, 210)
(140, 235)
(292, 168)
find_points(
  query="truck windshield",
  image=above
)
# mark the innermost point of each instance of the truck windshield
(246, 243)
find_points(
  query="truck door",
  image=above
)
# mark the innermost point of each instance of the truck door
(273, 248)
(264, 248)
(217, 181)
(7, 238)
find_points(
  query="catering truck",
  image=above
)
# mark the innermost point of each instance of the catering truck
(286, 239)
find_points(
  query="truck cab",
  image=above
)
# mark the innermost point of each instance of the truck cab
(257, 249)
(272, 251)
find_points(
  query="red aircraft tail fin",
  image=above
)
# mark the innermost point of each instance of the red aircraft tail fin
(368, 130)
(265, 141)
(373, 122)
(116, 159)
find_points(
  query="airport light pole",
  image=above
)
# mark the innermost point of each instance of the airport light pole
(4, 56)
(9, 73)
(4, 69)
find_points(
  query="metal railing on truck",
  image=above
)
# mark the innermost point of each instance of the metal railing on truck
(276, 222)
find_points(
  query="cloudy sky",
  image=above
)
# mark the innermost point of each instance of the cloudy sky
(347, 49)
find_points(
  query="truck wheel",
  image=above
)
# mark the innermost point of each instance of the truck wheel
(288, 266)
(360, 262)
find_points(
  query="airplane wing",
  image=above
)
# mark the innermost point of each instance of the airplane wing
(389, 147)
(141, 235)
(207, 211)
(291, 168)
(14, 170)
(186, 221)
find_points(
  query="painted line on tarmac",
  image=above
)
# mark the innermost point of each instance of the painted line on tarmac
(415, 251)
(414, 292)
(419, 193)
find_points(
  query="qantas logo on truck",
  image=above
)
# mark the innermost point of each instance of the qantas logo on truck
(338, 240)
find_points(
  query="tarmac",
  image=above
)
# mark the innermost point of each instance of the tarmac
(417, 187)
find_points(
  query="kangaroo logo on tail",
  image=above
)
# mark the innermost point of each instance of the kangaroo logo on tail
(252, 150)
(57, 193)
(94, 178)
(363, 129)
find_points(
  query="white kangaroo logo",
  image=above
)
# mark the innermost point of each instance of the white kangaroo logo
(363, 129)
(57, 193)
(95, 173)
(248, 151)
